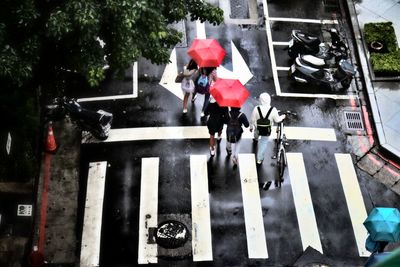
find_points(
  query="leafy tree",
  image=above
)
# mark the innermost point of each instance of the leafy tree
(43, 41)
(47, 44)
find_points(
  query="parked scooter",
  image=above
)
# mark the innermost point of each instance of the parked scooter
(306, 69)
(98, 123)
(306, 44)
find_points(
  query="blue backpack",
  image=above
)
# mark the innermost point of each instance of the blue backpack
(202, 85)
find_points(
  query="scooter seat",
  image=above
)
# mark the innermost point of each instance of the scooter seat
(313, 61)
(310, 40)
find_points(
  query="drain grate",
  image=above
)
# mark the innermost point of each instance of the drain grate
(239, 9)
(353, 120)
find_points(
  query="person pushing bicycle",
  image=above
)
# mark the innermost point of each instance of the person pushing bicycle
(262, 119)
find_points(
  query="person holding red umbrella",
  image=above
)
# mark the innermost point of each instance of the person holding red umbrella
(215, 122)
(208, 54)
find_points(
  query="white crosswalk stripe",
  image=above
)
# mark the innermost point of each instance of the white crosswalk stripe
(201, 223)
(256, 243)
(354, 200)
(201, 132)
(200, 200)
(91, 233)
(303, 203)
(148, 209)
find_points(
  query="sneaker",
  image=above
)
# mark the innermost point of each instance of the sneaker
(184, 110)
(202, 114)
(212, 151)
(259, 162)
(266, 185)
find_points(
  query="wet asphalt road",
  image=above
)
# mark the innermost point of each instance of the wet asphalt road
(156, 107)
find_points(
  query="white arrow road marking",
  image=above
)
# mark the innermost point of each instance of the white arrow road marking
(169, 75)
(201, 222)
(114, 97)
(303, 203)
(253, 217)
(200, 30)
(91, 233)
(201, 132)
(147, 253)
(240, 69)
(354, 200)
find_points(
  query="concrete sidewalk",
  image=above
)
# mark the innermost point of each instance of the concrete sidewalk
(384, 96)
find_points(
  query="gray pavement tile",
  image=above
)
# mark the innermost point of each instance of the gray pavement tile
(388, 175)
(371, 164)
(392, 137)
(396, 188)
(394, 122)
(358, 144)
(378, 7)
(392, 13)
(365, 15)
(387, 107)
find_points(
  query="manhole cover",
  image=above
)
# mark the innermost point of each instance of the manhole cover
(353, 120)
(171, 234)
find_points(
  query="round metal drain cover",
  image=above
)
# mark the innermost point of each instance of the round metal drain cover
(171, 234)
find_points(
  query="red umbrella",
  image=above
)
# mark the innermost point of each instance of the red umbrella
(229, 93)
(206, 52)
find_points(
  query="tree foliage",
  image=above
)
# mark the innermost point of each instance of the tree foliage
(40, 40)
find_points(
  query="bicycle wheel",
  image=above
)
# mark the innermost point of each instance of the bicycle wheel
(281, 167)
(278, 138)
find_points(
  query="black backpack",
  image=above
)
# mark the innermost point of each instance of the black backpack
(234, 128)
(263, 123)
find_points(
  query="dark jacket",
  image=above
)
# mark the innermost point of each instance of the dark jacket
(234, 130)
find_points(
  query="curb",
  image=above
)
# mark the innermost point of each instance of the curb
(367, 82)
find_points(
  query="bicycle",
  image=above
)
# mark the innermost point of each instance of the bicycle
(280, 154)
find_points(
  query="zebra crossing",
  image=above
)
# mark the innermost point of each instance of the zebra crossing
(202, 246)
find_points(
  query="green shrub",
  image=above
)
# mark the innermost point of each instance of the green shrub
(382, 32)
(386, 64)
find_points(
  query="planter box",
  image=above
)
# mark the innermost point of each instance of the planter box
(383, 52)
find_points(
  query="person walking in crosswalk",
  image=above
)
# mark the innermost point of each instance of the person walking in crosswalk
(215, 123)
(262, 129)
(236, 119)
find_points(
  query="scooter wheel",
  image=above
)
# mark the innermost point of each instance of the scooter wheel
(346, 84)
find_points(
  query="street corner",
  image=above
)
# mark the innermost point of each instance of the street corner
(370, 163)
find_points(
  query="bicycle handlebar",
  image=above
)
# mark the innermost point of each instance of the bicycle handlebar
(287, 112)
